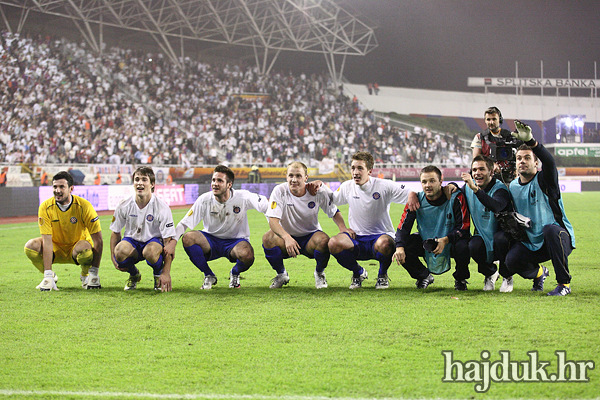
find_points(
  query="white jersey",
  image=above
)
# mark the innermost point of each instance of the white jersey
(369, 204)
(153, 221)
(224, 220)
(299, 216)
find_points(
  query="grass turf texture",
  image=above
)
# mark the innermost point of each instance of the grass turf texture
(297, 341)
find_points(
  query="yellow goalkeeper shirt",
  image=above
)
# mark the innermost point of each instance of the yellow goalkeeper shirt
(68, 227)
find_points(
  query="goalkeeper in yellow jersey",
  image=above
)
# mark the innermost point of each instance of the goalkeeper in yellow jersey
(71, 234)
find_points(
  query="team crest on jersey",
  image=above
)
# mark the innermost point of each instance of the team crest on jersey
(376, 196)
(311, 204)
(73, 220)
(149, 217)
(236, 210)
(273, 205)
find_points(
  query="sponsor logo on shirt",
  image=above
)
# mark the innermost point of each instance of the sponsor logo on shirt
(73, 220)
(133, 215)
(236, 210)
(95, 219)
(170, 224)
(376, 196)
(311, 204)
(149, 217)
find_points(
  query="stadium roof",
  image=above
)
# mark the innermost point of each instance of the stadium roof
(266, 26)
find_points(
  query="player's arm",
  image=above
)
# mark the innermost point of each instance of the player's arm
(191, 219)
(291, 246)
(313, 187)
(462, 224)
(341, 224)
(167, 231)
(500, 201)
(97, 248)
(165, 276)
(549, 174)
(115, 238)
(47, 252)
(402, 232)
(258, 202)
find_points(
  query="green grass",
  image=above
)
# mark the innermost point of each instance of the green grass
(292, 342)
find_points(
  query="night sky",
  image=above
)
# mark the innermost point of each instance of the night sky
(438, 44)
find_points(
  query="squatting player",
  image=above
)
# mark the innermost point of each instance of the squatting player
(537, 195)
(149, 226)
(446, 222)
(71, 234)
(368, 202)
(295, 229)
(226, 231)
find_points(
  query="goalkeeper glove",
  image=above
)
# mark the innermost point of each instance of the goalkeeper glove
(523, 131)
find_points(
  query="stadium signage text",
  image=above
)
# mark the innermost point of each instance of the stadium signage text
(534, 82)
(591, 151)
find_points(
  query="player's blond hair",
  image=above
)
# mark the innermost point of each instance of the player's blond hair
(298, 164)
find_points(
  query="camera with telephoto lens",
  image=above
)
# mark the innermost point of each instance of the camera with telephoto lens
(503, 152)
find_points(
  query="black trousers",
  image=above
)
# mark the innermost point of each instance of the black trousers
(478, 253)
(414, 249)
(557, 247)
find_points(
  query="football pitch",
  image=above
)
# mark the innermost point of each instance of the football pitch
(298, 342)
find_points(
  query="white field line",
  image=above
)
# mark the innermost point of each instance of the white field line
(10, 392)
(8, 228)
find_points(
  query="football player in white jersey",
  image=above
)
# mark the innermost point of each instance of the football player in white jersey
(295, 229)
(369, 218)
(149, 226)
(226, 231)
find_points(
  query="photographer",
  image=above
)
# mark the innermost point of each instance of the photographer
(498, 144)
(536, 195)
(487, 196)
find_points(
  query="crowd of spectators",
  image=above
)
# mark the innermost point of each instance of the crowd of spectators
(63, 104)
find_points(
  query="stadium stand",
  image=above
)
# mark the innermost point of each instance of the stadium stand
(62, 104)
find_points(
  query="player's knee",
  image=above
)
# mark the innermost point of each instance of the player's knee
(188, 239)
(268, 239)
(385, 245)
(551, 232)
(85, 257)
(246, 255)
(335, 245)
(36, 258)
(322, 242)
(120, 253)
(152, 253)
